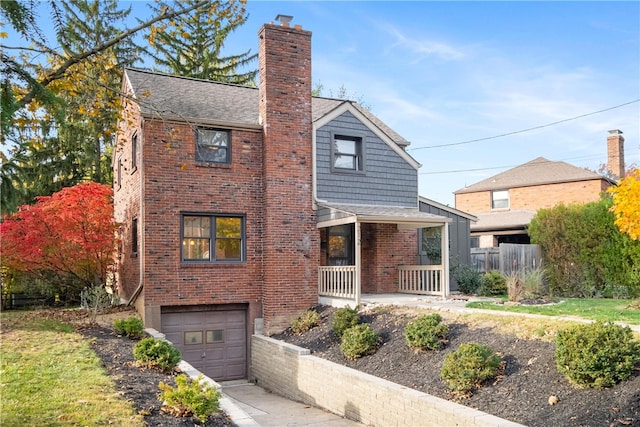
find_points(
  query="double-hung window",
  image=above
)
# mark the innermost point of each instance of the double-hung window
(212, 238)
(213, 146)
(500, 199)
(348, 153)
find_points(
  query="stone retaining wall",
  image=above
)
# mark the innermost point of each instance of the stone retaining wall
(292, 372)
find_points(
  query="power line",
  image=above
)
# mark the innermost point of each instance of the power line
(524, 130)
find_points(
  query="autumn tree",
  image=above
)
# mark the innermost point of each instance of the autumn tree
(626, 204)
(192, 44)
(66, 240)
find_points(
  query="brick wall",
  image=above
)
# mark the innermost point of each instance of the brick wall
(535, 197)
(291, 241)
(290, 371)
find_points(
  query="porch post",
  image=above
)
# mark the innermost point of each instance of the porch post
(445, 259)
(358, 262)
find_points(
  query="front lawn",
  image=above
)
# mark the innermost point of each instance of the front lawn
(608, 310)
(50, 376)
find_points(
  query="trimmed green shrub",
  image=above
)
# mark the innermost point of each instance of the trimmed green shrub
(465, 369)
(426, 332)
(493, 283)
(358, 341)
(158, 354)
(343, 319)
(190, 398)
(305, 321)
(469, 281)
(596, 355)
(131, 327)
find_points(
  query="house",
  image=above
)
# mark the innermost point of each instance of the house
(242, 207)
(505, 203)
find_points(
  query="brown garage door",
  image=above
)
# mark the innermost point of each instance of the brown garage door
(213, 341)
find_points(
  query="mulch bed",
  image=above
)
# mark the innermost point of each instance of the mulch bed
(139, 385)
(521, 394)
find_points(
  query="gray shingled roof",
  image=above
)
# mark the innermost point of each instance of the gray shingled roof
(205, 101)
(536, 172)
(371, 213)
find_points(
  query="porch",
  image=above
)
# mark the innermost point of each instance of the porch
(373, 250)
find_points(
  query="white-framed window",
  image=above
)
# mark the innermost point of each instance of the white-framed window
(213, 145)
(500, 199)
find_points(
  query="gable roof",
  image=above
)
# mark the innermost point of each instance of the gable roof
(207, 102)
(539, 171)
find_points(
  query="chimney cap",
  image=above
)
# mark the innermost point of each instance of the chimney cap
(284, 19)
(615, 132)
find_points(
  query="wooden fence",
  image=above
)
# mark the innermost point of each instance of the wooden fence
(507, 258)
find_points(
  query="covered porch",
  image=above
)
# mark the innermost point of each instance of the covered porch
(375, 250)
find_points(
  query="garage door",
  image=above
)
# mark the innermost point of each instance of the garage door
(213, 341)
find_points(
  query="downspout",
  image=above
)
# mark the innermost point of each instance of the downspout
(141, 239)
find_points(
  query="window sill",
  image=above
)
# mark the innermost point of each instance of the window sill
(213, 165)
(219, 264)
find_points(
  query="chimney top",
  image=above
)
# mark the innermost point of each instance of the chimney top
(284, 19)
(615, 132)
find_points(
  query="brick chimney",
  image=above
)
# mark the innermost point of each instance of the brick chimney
(615, 153)
(291, 241)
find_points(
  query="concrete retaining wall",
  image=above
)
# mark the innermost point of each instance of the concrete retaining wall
(292, 372)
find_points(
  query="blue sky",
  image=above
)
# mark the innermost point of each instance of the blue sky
(443, 73)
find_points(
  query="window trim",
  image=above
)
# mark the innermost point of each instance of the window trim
(359, 139)
(212, 238)
(493, 200)
(202, 161)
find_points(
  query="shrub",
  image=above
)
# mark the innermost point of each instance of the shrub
(534, 282)
(343, 319)
(358, 341)
(305, 321)
(157, 354)
(465, 369)
(426, 332)
(96, 299)
(596, 355)
(131, 327)
(469, 281)
(190, 398)
(515, 286)
(494, 283)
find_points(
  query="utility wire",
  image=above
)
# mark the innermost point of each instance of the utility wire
(524, 130)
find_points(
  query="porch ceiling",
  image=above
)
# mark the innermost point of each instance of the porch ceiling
(405, 217)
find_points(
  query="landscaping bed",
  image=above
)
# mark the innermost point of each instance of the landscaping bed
(521, 393)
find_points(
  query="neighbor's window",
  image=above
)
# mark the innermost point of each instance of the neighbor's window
(134, 152)
(212, 238)
(213, 145)
(347, 153)
(500, 199)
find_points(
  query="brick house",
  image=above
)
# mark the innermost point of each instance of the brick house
(241, 207)
(505, 203)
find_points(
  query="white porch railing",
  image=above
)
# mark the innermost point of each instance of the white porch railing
(423, 280)
(339, 282)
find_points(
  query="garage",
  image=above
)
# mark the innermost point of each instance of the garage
(213, 339)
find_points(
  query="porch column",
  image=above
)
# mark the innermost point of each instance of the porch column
(445, 259)
(358, 262)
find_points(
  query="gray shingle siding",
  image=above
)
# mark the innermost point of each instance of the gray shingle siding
(387, 178)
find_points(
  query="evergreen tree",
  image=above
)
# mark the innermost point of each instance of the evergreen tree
(191, 46)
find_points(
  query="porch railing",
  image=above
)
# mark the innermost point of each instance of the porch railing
(339, 282)
(422, 279)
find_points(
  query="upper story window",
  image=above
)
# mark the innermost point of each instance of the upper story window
(348, 153)
(134, 152)
(500, 199)
(212, 238)
(213, 146)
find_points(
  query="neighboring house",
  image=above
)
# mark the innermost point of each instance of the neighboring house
(242, 207)
(459, 232)
(505, 203)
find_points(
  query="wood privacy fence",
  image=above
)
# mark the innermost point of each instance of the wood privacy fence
(507, 258)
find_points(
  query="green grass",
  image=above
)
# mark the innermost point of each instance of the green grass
(50, 376)
(607, 310)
